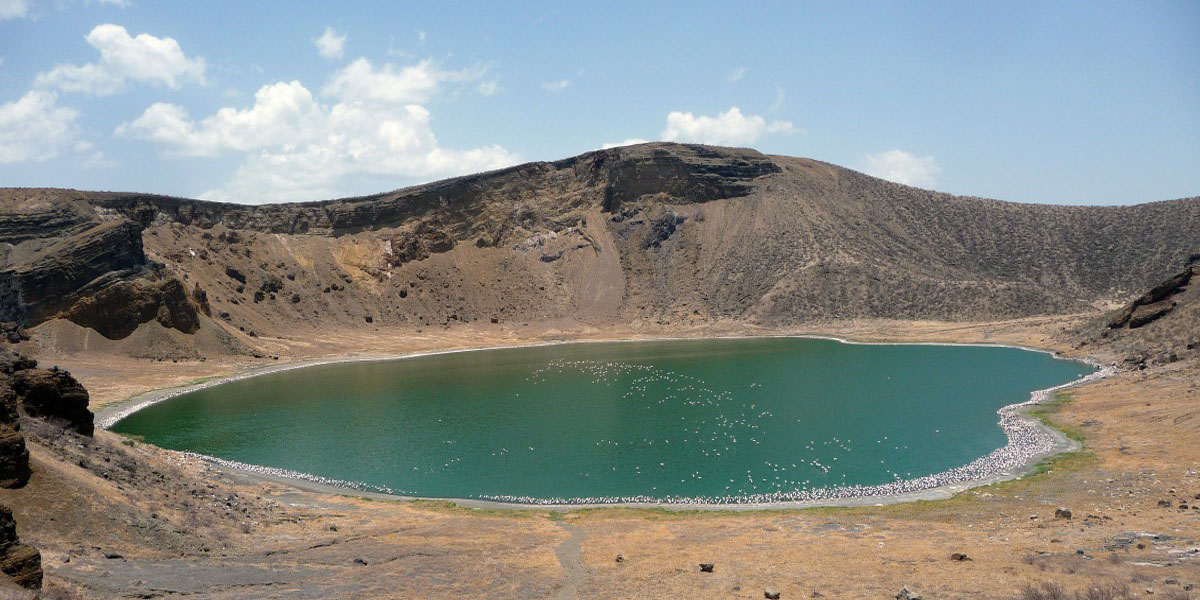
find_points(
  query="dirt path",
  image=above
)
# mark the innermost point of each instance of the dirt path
(570, 557)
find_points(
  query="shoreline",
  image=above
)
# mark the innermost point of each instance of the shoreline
(1029, 442)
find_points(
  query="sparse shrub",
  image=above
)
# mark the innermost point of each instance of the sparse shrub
(1178, 594)
(1044, 590)
(1103, 591)
(1049, 590)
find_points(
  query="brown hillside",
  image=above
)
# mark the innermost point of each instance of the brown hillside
(654, 234)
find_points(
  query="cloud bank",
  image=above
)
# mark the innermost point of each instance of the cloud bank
(367, 121)
(902, 167)
(144, 59)
(35, 128)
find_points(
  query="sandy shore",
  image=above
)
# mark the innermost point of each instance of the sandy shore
(1029, 442)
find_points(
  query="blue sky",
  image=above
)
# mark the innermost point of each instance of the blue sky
(1095, 102)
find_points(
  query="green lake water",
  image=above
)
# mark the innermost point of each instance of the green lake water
(705, 418)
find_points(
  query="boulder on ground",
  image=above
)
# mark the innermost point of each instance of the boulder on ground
(20, 562)
(54, 395)
(14, 456)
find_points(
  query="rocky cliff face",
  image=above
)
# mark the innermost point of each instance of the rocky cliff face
(655, 234)
(14, 457)
(62, 259)
(20, 562)
(682, 173)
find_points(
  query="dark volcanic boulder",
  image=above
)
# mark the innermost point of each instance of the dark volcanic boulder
(11, 362)
(1153, 304)
(54, 395)
(200, 298)
(1149, 313)
(14, 457)
(117, 310)
(20, 562)
(12, 333)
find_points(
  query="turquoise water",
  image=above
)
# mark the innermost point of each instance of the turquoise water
(697, 418)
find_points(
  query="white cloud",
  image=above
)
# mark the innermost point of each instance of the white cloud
(330, 44)
(98, 160)
(145, 59)
(489, 88)
(282, 112)
(778, 103)
(420, 36)
(117, 3)
(737, 74)
(556, 86)
(902, 167)
(298, 148)
(361, 81)
(728, 128)
(13, 9)
(35, 128)
(628, 142)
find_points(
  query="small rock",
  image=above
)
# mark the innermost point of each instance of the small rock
(907, 594)
(1062, 513)
(959, 556)
(770, 594)
(113, 556)
(706, 567)
(1164, 504)
(620, 558)
(359, 561)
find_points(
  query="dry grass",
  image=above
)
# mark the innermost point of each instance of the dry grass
(1107, 590)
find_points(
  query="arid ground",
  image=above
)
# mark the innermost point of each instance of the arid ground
(113, 517)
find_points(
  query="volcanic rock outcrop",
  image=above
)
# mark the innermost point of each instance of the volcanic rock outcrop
(14, 457)
(18, 561)
(53, 395)
(1160, 326)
